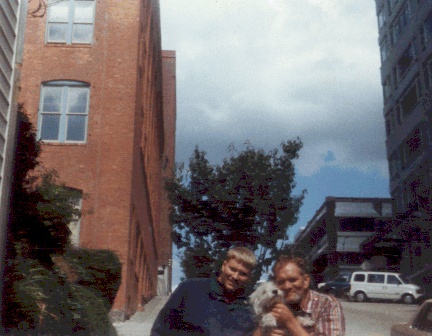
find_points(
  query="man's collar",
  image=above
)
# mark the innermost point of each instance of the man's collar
(215, 286)
(305, 303)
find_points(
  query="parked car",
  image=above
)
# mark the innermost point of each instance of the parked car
(383, 285)
(419, 325)
(339, 286)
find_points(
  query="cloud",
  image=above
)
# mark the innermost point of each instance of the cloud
(275, 70)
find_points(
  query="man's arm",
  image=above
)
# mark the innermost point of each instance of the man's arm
(332, 320)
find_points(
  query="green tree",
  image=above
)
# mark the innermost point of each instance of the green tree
(247, 200)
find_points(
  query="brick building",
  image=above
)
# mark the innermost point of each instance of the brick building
(101, 92)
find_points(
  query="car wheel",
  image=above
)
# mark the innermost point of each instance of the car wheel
(360, 297)
(408, 299)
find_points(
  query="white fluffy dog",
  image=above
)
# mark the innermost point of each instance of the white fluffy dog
(262, 299)
(265, 296)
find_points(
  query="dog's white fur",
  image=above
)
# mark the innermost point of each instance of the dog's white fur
(262, 300)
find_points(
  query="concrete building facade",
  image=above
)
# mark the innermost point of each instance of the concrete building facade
(405, 40)
(332, 240)
(101, 94)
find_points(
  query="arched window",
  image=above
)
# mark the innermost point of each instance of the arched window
(63, 111)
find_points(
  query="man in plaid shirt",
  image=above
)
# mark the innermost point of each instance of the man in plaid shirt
(308, 312)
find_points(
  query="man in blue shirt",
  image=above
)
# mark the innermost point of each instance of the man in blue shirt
(214, 306)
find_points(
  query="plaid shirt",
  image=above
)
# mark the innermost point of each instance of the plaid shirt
(326, 313)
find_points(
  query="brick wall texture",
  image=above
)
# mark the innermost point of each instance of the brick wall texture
(129, 148)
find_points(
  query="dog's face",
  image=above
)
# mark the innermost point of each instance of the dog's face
(265, 296)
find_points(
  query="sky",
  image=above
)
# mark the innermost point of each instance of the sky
(266, 71)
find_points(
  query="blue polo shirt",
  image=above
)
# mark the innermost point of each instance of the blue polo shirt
(198, 307)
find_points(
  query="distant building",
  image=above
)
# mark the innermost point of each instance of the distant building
(170, 108)
(102, 95)
(332, 239)
(12, 24)
(405, 40)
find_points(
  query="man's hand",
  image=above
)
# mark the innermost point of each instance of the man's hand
(287, 320)
(282, 314)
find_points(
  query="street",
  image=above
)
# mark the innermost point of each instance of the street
(374, 318)
(362, 319)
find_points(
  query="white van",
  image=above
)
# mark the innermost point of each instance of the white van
(383, 285)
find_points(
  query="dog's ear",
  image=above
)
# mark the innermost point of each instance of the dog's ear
(256, 301)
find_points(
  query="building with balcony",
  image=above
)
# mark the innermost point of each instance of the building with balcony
(102, 96)
(332, 240)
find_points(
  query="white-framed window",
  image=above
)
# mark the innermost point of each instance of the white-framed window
(70, 21)
(63, 111)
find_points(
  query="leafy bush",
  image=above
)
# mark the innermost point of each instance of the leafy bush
(45, 303)
(99, 270)
(50, 288)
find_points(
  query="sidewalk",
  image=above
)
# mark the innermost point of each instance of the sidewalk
(140, 324)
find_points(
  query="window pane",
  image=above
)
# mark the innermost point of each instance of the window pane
(76, 128)
(51, 99)
(359, 277)
(393, 280)
(50, 127)
(82, 33)
(376, 278)
(57, 32)
(77, 100)
(58, 11)
(84, 11)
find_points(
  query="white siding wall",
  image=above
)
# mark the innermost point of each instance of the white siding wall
(12, 24)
